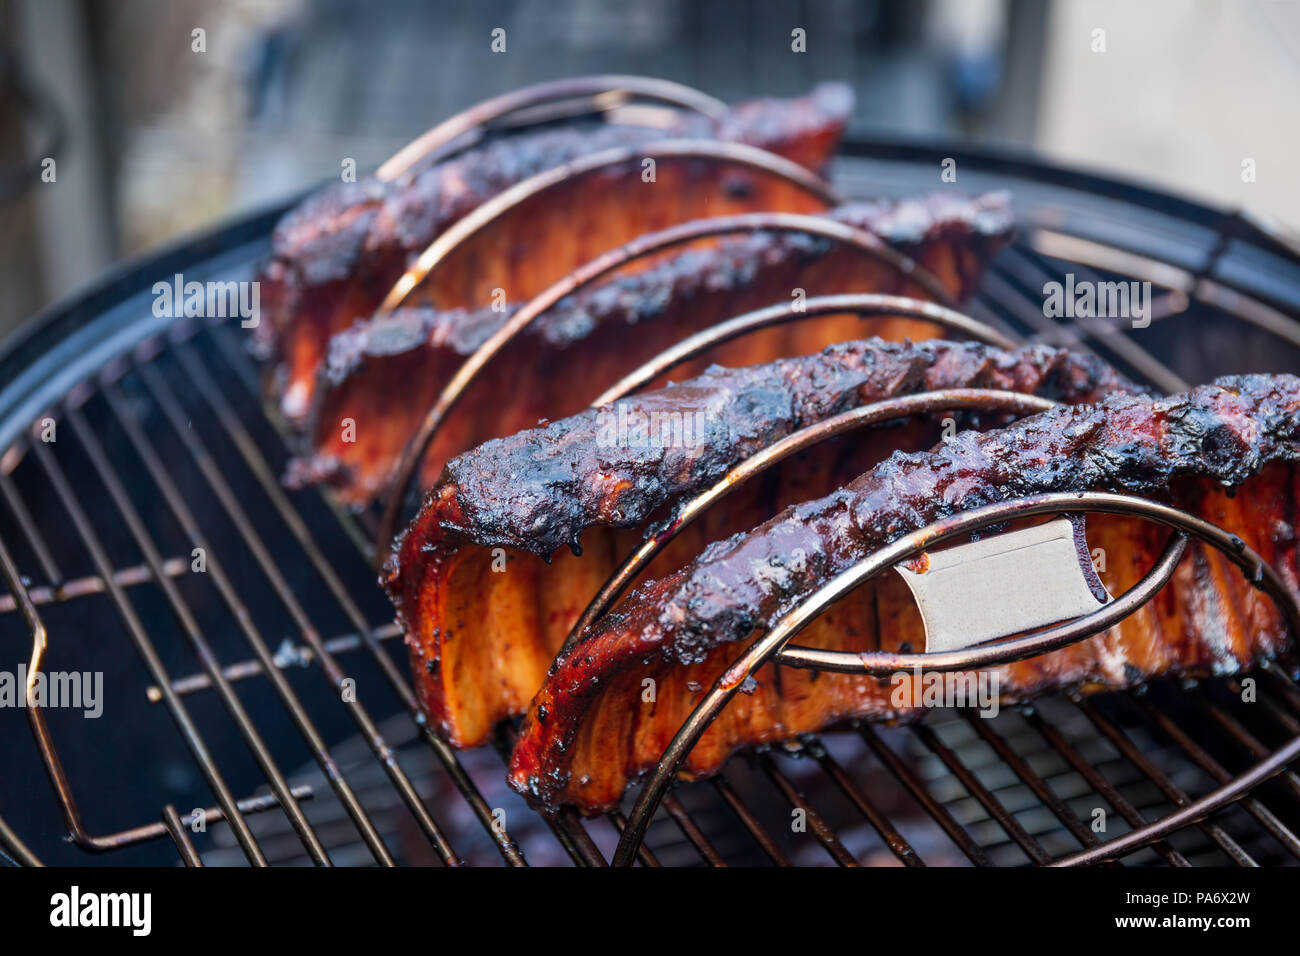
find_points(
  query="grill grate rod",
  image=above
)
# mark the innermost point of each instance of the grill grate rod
(162, 394)
(1162, 782)
(258, 465)
(937, 811)
(719, 784)
(298, 655)
(214, 673)
(1209, 765)
(180, 836)
(1285, 687)
(13, 851)
(49, 566)
(570, 833)
(1247, 741)
(825, 835)
(202, 649)
(1220, 294)
(691, 830)
(1216, 800)
(1100, 784)
(1025, 268)
(1275, 711)
(997, 810)
(883, 825)
(128, 577)
(1031, 779)
(747, 819)
(144, 645)
(620, 824)
(1279, 714)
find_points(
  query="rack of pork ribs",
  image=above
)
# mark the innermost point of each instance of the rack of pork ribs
(446, 326)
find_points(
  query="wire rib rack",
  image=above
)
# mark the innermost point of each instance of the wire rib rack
(268, 695)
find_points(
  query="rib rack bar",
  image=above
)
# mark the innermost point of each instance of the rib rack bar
(272, 701)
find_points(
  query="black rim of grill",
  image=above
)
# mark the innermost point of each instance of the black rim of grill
(164, 445)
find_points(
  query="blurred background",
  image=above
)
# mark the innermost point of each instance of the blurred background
(153, 138)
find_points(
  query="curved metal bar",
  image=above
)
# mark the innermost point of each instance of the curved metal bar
(77, 831)
(865, 242)
(908, 546)
(864, 303)
(35, 715)
(229, 810)
(884, 663)
(1197, 810)
(10, 842)
(180, 836)
(12, 846)
(615, 89)
(882, 411)
(737, 154)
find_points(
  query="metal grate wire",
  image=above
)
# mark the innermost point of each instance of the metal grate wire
(170, 449)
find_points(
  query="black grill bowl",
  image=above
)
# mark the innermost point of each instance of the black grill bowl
(164, 445)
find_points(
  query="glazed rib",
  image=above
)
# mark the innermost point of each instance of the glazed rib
(587, 734)
(484, 617)
(383, 374)
(336, 256)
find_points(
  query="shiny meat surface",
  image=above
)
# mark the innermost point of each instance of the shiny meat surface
(1225, 452)
(336, 256)
(484, 616)
(382, 375)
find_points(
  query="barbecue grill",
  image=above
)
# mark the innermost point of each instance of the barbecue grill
(274, 707)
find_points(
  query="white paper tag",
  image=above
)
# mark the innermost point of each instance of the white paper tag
(1004, 585)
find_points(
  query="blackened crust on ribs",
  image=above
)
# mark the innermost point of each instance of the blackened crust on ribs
(1224, 433)
(610, 327)
(368, 229)
(982, 224)
(544, 488)
(538, 490)
(329, 236)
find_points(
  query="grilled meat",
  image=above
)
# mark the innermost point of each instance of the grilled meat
(587, 732)
(484, 618)
(336, 256)
(383, 374)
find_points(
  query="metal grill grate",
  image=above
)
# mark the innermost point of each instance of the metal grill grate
(169, 448)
